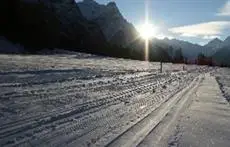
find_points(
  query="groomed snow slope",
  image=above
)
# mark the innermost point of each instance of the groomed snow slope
(80, 99)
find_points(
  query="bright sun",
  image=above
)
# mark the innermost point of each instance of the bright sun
(147, 31)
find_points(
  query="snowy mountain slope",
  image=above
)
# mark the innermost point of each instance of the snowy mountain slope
(213, 46)
(189, 50)
(221, 56)
(215, 43)
(91, 9)
(114, 26)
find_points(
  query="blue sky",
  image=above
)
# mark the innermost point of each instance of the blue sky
(197, 21)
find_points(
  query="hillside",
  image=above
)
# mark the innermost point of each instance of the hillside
(114, 26)
(222, 56)
(49, 24)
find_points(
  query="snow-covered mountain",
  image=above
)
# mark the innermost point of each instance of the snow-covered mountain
(114, 26)
(213, 46)
(189, 50)
(215, 43)
(91, 9)
(222, 55)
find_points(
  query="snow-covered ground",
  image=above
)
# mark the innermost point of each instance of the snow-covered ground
(200, 118)
(205, 122)
(77, 99)
(223, 78)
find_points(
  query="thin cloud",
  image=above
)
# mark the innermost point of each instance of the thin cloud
(213, 28)
(163, 36)
(225, 10)
(211, 37)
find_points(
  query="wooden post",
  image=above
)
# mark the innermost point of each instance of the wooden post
(161, 68)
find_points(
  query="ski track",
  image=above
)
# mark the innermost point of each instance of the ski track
(63, 100)
(223, 80)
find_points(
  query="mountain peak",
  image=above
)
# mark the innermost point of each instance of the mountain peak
(215, 41)
(214, 45)
(112, 6)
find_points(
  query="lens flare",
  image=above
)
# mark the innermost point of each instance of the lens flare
(147, 31)
(146, 22)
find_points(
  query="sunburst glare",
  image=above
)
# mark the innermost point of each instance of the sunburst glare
(147, 31)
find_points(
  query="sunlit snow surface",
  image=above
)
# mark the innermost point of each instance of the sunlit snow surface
(79, 99)
(223, 78)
